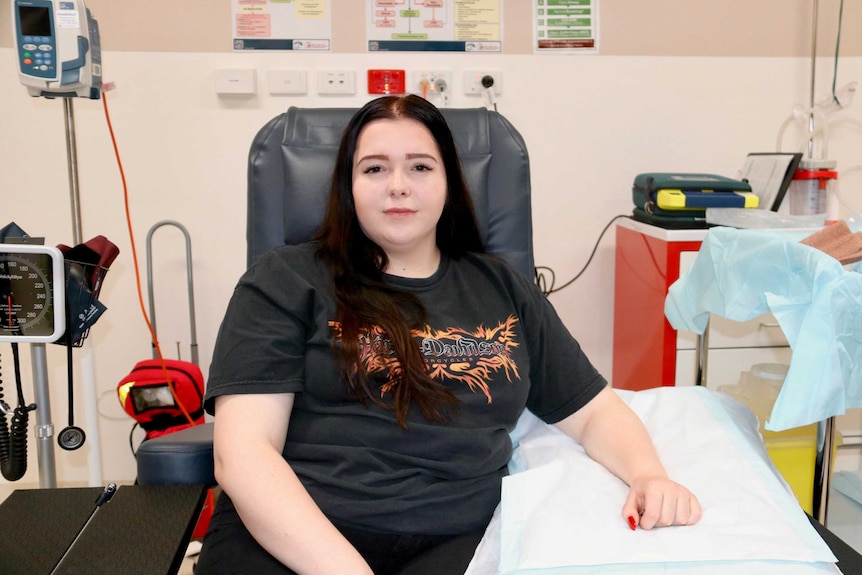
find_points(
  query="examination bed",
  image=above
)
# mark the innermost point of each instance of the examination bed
(560, 513)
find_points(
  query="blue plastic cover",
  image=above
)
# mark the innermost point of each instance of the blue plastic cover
(740, 274)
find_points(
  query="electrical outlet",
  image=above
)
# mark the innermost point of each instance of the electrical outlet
(430, 81)
(336, 82)
(473, 81)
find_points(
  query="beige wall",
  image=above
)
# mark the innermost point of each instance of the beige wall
(627, 27)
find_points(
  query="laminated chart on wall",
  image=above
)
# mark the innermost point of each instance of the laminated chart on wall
(434, 25)
(281, 25)
(565, 26)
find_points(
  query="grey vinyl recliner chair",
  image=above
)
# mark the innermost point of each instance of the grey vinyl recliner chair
(290, 165)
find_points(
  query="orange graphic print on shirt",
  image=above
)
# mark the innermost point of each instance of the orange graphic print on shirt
(454, 354)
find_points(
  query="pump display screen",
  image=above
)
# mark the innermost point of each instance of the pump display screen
(35, 21)
(146, 397)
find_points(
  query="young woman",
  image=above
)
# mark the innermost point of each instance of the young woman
(364, 383)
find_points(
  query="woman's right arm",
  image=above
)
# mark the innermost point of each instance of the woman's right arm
(275, 507)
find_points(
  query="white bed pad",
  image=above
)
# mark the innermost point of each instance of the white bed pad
(560, 511)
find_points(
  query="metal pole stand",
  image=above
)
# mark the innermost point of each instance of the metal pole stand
(823, 468)
(44, 427)
(91, 416)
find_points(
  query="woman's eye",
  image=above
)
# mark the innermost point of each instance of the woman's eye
(372, 170)
(422, 168)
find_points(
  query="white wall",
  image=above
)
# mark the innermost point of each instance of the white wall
(590, 123)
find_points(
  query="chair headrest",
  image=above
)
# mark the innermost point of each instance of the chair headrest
(292, 158)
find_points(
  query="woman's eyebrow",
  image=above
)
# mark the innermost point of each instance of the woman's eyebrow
(373, 157)
(409, 156)
(421, 155)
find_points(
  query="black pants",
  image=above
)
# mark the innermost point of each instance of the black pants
(229, 549)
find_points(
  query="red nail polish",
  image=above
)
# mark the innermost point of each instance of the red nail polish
(632, 523)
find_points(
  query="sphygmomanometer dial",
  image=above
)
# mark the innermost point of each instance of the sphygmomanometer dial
(31, 293)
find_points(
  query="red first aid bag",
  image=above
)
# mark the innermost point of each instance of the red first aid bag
(146, 395)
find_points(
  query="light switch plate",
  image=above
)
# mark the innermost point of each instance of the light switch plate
(288, 82)
(236, 81)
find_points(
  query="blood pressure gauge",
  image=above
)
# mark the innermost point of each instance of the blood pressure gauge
(32, 299)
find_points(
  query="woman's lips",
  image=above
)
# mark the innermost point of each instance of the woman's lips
(398, 212)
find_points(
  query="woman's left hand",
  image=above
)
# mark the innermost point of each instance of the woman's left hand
(660, 502)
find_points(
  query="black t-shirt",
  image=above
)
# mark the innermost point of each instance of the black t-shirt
(491, 337)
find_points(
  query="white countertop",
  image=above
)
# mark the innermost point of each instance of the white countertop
(668, 235)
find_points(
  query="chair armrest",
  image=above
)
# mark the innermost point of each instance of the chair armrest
(182, 457)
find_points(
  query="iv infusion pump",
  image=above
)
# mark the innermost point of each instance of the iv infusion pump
(58, 49)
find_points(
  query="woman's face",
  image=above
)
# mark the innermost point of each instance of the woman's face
(399, 187)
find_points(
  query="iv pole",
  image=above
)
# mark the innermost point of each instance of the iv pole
(811, 85)
(94, 458)
(38, 356)
(825, 429)
(87, 66)
(39, 362)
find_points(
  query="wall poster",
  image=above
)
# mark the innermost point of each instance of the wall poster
(434, 26)
(566, 26)
(281, 25)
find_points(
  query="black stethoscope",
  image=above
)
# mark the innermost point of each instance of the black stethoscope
(70, 437)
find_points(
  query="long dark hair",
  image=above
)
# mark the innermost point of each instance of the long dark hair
(363, 300)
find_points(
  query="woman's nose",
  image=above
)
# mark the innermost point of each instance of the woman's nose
(398, 184)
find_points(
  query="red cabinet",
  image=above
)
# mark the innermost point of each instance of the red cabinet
(647, 262)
